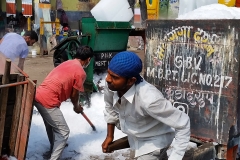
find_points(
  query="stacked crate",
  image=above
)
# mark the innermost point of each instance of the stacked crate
(17, 92)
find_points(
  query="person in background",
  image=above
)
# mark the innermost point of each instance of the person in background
(140, 111)
(143, 10)
(63, 82)
(11, 21)
(2, 26)
(64, 19)
(22, 22)
(14, 46)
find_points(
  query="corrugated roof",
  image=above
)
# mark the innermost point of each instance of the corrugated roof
(10, 8)
(27, 9)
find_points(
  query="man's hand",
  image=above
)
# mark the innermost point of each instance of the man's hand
(105, 144)
(21, 63)
(1, 40)
(78, 109)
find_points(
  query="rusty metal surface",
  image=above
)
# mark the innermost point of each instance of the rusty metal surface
(195, 64)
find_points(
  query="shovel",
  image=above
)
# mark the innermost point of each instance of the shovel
(93, 127)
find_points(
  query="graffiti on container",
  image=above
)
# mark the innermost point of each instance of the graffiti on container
(193, 77)
(163, 4)
(182, 34)
(193, 98)
(186, 56)
(186, 99)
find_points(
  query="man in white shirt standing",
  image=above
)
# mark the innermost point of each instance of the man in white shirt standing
(14, 46)
(140, 111)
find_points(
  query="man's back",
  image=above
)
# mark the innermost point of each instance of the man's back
(14, 46)
(57, 86)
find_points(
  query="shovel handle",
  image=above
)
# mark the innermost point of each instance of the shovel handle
(84, 115)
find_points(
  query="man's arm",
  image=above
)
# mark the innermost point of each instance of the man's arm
(109, 138)
(21, 63)
(175, 118)
(1, 40)
(110, 116)
(118, 144)
(74, 98)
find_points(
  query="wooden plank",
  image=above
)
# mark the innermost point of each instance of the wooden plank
(3, 100)
(8, 118)
(11, 78)
(26, 120)
(20, 120)
(16, 114)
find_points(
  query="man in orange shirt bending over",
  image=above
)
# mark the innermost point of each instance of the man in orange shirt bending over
(63, 82)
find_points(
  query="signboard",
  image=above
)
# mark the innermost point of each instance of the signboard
(102, 60)
(195, 64)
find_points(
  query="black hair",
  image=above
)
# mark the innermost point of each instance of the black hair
(32, 34)
(84, 52)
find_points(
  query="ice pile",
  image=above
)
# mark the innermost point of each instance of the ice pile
(112, 10)
(212, 11)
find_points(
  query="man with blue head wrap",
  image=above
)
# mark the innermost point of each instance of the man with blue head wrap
(140, 111)
(127, 64)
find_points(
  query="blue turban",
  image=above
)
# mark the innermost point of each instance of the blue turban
(126, 64)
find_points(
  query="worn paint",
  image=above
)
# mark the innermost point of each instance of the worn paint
(195, 65)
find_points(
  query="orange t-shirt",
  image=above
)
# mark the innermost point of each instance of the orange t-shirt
(57, 86)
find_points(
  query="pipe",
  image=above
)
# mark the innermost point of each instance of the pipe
(29, 28)
(21, 71)
(13, 84)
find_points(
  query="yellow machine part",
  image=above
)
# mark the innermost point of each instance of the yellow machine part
(152, 9)
(229, 3)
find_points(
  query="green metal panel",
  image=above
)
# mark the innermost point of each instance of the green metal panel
(88, 84)
(102, 37)
(105, 36)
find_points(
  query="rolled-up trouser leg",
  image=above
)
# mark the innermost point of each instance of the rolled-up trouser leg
(50, 134)
(55, 122)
